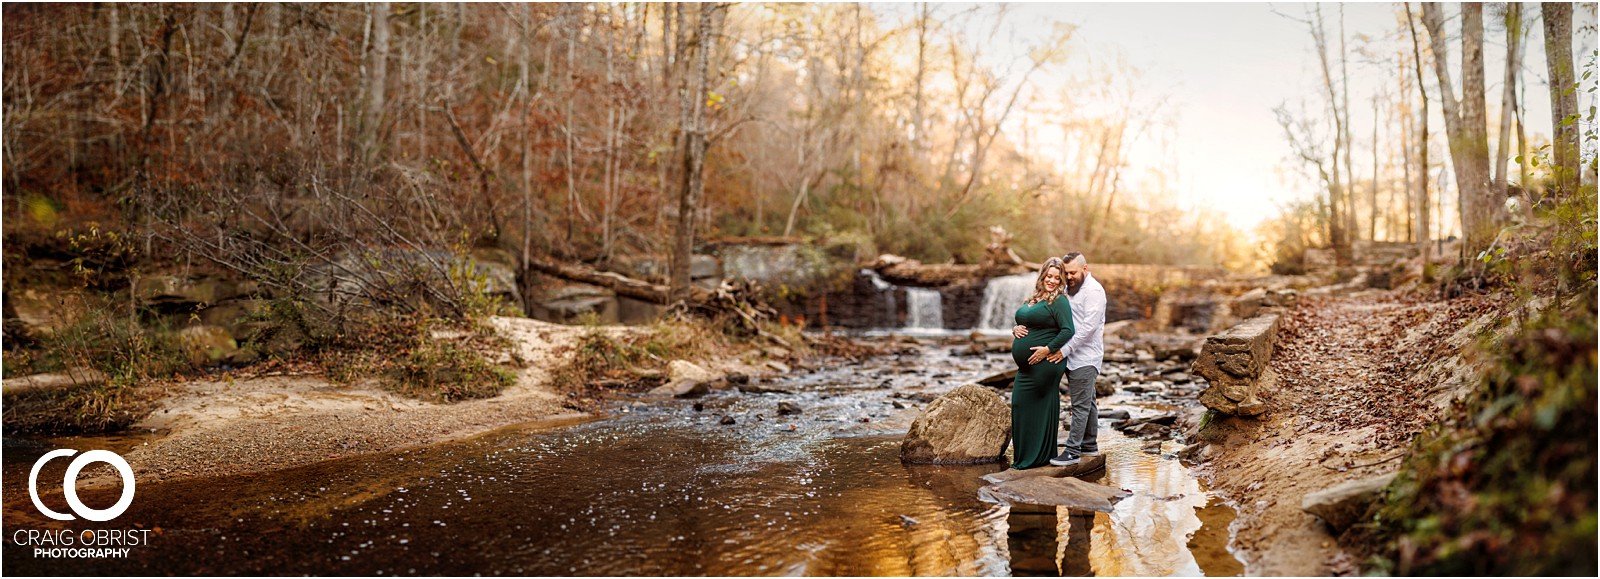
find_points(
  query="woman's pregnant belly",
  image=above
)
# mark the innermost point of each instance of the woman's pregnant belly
(1022, 348)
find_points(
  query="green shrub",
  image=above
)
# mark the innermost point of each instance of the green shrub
(600, 357)
(1507, 486)
(132, 356)
(448, 372)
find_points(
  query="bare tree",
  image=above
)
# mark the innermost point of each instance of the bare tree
(1508, 97)
(1425, 245)
(692, 111)
(377, 78)
(1563, 96)
(1465, 123)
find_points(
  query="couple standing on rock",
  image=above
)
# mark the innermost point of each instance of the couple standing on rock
(1059, 331)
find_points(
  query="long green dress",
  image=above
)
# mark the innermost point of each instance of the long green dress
(1035, 399)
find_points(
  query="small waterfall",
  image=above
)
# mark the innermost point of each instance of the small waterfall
(891, 308)
(924, 309)
(1001, 298)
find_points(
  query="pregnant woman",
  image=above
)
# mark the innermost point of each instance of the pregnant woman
(1035, 400)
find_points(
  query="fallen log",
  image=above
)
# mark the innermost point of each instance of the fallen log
(623, 285)
(70, 377)
(738, 300)
(900, 271)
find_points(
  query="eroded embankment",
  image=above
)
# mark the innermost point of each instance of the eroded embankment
(1359, 376)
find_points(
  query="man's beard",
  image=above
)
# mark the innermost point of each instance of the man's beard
(1073, 287)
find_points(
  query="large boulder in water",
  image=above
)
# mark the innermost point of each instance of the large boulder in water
(968, 425)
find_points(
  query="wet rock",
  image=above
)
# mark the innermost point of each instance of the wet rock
(1345, 504)
(1118, 414)
(1234, 365)
(738, 378)
(686, 379)
(1139, 388)
(970, 424)
(1147, 430)
(1088, 465)
(1152, 447)
(755, 388)
(1161, 419)
(1066, 491)
(908, 522)
(1000, 380)
(897, 405)
(1177, 377)
(786, 408)
(1103, 388)
(699, 406)
(726, 420)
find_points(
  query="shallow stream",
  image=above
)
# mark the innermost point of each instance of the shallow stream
(666, 489)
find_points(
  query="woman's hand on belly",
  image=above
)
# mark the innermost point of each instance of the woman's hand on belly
(1039, 354)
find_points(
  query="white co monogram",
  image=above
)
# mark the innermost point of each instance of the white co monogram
(69, 485)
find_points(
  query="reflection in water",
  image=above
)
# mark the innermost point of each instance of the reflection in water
(1074, 549)
(1164, 528)
(1031, 541)
(627, 496)
(658, 491)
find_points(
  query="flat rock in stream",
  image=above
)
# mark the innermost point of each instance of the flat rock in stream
(1089, 465)
(1066, 492)
(1118, 414)
(1000, 380)
(1161, 419)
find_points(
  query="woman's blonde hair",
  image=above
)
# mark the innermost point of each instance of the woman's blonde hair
(1039, 293)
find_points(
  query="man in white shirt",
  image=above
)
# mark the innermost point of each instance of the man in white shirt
(1084, 353)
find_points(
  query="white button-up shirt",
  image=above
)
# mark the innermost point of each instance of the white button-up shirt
(1088, 345)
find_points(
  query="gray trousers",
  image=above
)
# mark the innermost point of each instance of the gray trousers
(1084, 433)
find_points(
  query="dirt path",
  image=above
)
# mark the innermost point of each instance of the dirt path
(1360, 375)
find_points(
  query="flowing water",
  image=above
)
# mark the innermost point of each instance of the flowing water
(1001, 297)
(924, 309)
(664, 489)
(886, 289)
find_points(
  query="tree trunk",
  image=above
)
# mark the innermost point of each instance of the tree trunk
(1508, 97)
(1563, 96)
(1423, 232)
(1351, 231)
(1372, 189)
(1336, 192)
(693, 138)
(1465, 124)
(377, 82)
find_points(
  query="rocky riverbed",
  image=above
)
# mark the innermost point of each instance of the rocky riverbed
(795, 473)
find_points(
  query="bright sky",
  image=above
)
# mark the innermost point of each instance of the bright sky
(1225, 66)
